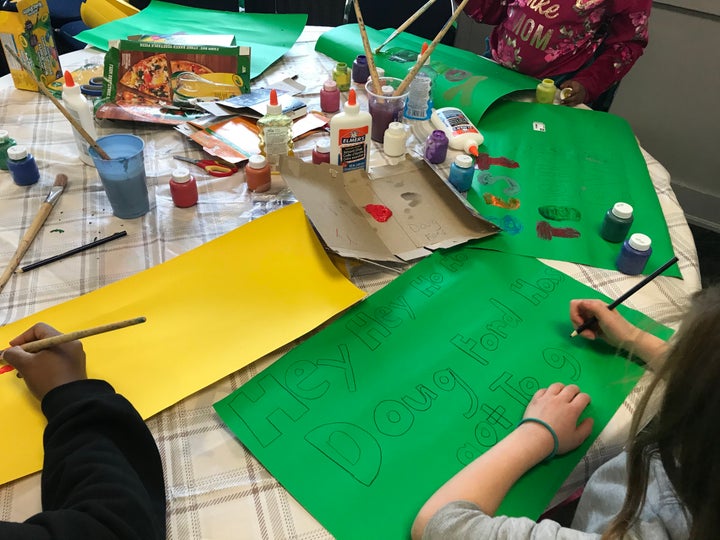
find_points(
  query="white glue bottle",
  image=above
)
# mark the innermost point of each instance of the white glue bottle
(458, 127)
(350, 136)
(81, 109)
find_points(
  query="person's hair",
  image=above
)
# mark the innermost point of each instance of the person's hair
(684, 433)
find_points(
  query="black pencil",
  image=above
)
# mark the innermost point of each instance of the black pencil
(593, 320)
(78, 249)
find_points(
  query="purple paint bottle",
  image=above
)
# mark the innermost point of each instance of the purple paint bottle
(360, 69)
(436, 146)
(634, 254)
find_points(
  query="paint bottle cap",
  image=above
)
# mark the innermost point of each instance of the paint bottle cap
(622, 210)
(17, 153)
(387, 90)
(640, 242)
(181, 175)
(4, 135)
(380, 72)
(323, 145)
(257, 161)
(464, 161)
(96, 81)
(329, 85)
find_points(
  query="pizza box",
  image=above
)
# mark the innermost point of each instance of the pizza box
(160, 82)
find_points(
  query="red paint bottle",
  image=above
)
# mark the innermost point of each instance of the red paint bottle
(330, 97)
(257, 174)
(183, 188)
(321, 152)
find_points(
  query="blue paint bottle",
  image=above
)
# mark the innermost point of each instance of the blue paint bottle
(22, 166)
(462, 171)
(634, 254)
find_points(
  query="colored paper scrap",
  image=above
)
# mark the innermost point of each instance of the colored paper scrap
(269, 35)
(209, 312)
(572, 166)
(364, 420)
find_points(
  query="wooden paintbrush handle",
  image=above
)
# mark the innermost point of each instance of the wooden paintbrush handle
(41, 344)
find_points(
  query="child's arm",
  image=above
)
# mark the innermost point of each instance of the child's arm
(486, 480)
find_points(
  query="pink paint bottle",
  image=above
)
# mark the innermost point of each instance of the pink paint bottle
(330, 97)
(321, 152)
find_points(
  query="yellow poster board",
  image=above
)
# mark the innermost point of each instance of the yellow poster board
(209, 312)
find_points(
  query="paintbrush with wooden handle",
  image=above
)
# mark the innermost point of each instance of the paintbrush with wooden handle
(44, 211)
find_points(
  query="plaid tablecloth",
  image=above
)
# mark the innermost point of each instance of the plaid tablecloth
(216, 488)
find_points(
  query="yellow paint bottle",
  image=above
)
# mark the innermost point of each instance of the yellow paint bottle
(545, 92)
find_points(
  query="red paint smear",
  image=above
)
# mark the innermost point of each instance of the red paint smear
(484, 161)
(545, 231)
(5, 369)
(380, 212)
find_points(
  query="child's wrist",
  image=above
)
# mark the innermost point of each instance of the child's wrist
(539, 438)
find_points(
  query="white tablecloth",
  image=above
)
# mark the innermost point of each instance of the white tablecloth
(216, 488)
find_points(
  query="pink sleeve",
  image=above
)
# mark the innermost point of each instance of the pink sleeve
(486, 11)
(624, 44)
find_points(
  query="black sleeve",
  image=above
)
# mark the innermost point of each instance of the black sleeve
(102, 477)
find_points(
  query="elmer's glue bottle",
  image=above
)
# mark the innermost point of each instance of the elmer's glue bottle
(81, 109)
(350, 136)
(458, 127)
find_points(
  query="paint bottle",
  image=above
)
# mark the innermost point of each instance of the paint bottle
(419, 103)
(321, 152)
(22, 166)
(394, 140)
(617, 222)
(634, 254)
(436, 146)
(5, 142)
(341, 75)
(458, 127)
(79, 107)
(360, 69)
(183, 188)
(258, 174)
(545, 91)
(275, 132)
(462, 171)
(350, 136)
(330, 97)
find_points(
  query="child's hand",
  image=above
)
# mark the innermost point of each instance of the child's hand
(576, 97)
(49, 368)
(560, 407)
(611, 326)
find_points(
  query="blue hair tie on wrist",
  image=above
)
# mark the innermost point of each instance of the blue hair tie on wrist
(556, 441)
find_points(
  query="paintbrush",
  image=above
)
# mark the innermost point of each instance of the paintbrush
(368, 51)
(423, 57)
(44, 211)
(41, 344)
(67, 114)
(407, 23)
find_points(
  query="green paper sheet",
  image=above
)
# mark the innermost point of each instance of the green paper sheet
(363, 421)
(465, 80)
(269, 35)
(573, 166)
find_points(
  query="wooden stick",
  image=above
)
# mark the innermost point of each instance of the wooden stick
(44, 211)
(421, 61)
(407, 23)
(81, 130)
(368, 51)
(41, 344)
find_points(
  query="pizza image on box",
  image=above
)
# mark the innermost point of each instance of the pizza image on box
(149, 76)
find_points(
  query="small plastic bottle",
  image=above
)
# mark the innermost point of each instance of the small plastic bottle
(634, 254)
(257, 174)
(183, 188)
(275, 132)
(419, 103)
(22, 166)
(394, 140)
(81, 109)
(341, 75)
(350, 136)
(545, 91)
(360, 69)
(617, 222)
(462, 171)
(436, 146)
(321, 152)
(458, 127)
(5, 142)
(330, 97)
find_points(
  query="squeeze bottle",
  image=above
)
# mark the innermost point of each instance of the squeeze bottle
(350, 136)
(275, 132)
(458, 127)
(81, 109)
(419, 103)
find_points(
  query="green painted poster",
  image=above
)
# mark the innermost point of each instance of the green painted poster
(550, 175)
(269, 36)
(465, 80)
(364, 420)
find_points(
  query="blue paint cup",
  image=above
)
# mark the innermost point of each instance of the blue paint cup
(123, 176)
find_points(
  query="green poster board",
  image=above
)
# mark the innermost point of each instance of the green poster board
(465, 80)
(269, 36)
(364, 420)
(573, 165)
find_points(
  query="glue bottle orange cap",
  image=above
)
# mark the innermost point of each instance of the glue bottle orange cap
(352, 98)
(69, 81)
(471, 148)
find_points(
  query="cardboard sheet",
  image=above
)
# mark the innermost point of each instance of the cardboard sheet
(209, 312)
(427, 214)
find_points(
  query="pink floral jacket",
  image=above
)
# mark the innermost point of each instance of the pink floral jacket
(544, 38)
